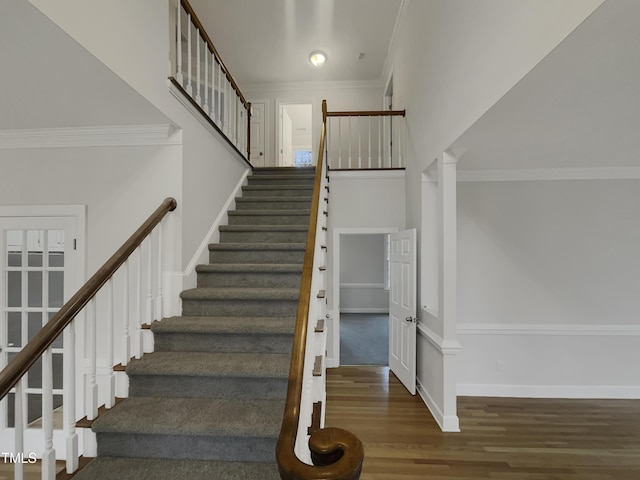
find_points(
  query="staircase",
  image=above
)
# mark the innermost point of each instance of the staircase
(208, 403)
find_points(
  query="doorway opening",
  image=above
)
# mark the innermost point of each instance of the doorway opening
(295, 138)
(360, 291)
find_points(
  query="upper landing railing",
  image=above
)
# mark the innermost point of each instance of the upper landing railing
(366, 140)
(203, 77)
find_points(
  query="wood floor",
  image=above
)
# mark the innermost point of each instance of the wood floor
(501, 438)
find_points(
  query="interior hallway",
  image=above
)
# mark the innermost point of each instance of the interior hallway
(501, 438)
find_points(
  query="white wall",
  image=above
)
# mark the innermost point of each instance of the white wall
(362, 287)
(451, 61)
(547, 288)
(132, 37)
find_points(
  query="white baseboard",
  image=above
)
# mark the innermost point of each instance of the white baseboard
(447, 423)
(548, 391)
(176, 282)
(364, 310)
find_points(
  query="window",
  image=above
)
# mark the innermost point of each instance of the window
(304, 158)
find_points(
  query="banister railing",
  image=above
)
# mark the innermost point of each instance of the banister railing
(202, 76)
(336, 454)
(366, 140)
(13, 375)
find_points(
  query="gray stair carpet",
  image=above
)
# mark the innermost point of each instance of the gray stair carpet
(208, 403)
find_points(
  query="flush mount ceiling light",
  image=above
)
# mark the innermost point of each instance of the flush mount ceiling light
(317, 58)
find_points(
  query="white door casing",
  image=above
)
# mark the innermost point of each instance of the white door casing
(402, 308)
(258, 147)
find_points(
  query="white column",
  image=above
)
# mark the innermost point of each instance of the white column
(447, 285)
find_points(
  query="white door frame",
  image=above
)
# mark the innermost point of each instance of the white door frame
(266, 154)
(334, 322)
(281, 103)
(78, 213)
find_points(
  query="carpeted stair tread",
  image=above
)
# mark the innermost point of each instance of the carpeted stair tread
(267, 213)
(263, 228)
(256, 246)
(249, 267)
(212, 364)
(214, 293)
(225, 325)
(286, 170)
(193, 416)
(110, 468)
(283, 177)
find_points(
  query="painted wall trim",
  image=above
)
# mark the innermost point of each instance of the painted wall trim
(447, 423)
(175, 282)
(99, 136)
(547, 329)
(362, 285)
(510, 175)
(445, 347)
(549, 391)
(363, 310)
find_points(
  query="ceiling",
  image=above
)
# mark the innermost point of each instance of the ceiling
(578, 108)
(269, 41)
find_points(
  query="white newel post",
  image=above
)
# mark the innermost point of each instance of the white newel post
(91, 399)
(111, 379)
(139, 350)
(159, 298)
(126, 346)
(19, 422)
(179, 76)
(189, 86)
(49, 454)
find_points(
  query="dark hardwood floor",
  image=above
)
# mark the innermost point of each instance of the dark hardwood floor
(501, 438)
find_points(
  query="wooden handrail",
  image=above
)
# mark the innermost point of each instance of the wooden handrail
(368, 113)
(187, 6)
(33, 350)
(337, 454)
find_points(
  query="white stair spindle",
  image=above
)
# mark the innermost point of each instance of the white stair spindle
(91, 400)
(198, 42)
(339, 142)
(159, 299)
(19, 421)
(350, 139)
(205, 107)
(150, 314)
(111, 380)
(49, 454)
(380, 142)
(179, 76)
(189, 80)
(369, 149)
(359, 142)
(69, 397)
(126, 345)
(139, 350)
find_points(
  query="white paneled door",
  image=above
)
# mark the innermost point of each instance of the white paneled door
(402, 307)
(257, 147)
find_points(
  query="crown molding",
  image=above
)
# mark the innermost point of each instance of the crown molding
(549, 329)
(306, 86)
(511, 175)
(99, 136)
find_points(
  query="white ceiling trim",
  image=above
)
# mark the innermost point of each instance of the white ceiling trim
(595, 173)
(306, 86)
(99, 136)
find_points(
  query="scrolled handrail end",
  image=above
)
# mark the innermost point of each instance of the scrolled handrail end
(338, 448)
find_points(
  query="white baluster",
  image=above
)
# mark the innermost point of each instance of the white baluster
(380, 142)
(111, 380)
(69, 397)
(49, 454)
(369, 131)
(91, 400)
(339, 142)
(150, 315)
(19, 421)
(179, 75)
(198, 42)
(350, 139)
(205, 107)
(159, 299)
(189, 86)
(359, 142)
(139, 333)
(126, 346)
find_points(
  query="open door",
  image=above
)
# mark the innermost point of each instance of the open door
(402, 308)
